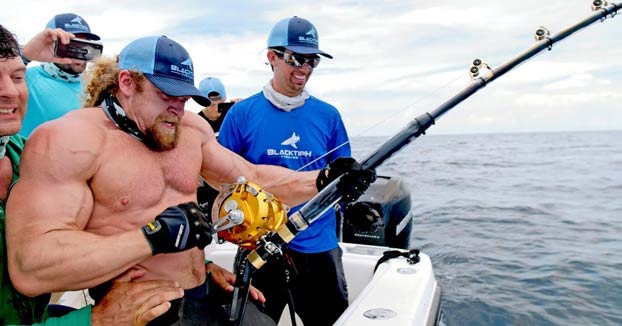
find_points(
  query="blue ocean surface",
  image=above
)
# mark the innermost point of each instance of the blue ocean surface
(522, 229)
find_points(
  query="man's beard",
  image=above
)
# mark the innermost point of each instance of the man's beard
(158, 140)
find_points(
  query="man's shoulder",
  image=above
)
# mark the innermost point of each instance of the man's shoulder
(77, 126)
(40, 82)
(194, 121)
(32, 69)
(249, 107)
(314, 101)
(250, 101)
(33, 73)
(70, 145)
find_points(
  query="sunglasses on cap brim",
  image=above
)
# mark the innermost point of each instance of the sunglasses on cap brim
(297, 60)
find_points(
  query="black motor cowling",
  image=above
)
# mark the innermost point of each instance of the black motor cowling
(379, 217)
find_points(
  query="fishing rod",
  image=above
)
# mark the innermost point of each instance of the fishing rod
(481, 75)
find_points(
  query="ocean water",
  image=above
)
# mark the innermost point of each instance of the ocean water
(522, 229)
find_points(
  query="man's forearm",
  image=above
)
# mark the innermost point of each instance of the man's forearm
(290, 187)
(75, 260)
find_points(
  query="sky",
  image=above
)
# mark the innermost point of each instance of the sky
(393, 60)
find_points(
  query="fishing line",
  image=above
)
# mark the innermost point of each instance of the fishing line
(329, 196)
(478, 68)
(270, 244)
(408, 108)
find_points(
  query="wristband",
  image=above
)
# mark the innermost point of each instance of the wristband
(21, 54)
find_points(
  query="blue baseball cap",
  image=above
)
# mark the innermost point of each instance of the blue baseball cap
(212, 85)
(297, 35)
(72, 23)
(165, 63)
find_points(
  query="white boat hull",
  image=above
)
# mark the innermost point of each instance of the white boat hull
(398, 293)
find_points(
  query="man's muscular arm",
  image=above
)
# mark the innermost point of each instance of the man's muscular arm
(291, 187)
(47, 212)
(221, 165)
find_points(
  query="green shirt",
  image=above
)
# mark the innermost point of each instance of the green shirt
(15, 308)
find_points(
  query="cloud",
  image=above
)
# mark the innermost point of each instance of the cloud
(393, 59)
(577, 81)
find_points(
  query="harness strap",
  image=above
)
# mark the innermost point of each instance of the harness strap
(288, 266)
(412, 256)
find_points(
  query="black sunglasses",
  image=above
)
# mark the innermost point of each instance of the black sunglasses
(297, 60)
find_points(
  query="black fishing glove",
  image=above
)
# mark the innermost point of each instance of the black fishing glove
(178, 228)
(205, 197)
(354, 182)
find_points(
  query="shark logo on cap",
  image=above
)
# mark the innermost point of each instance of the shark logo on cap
(309, 37)
(76, 25)
(188, 62)
(77, 20)
(185, 72)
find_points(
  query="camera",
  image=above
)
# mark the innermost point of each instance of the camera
(224, 107)
(78, 49)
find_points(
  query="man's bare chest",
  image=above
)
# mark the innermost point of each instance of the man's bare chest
(145, 179)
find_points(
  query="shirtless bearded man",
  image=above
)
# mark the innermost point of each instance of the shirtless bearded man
(106, 186)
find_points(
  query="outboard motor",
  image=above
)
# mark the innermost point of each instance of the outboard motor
(381, 216)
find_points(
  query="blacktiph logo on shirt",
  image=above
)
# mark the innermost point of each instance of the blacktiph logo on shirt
(289, 153)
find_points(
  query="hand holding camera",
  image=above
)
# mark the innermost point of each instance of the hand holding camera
(41, 46)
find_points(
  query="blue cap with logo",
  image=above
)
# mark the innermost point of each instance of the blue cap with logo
(297, 35)
(72, 23)
(165, 63)
(212, 85)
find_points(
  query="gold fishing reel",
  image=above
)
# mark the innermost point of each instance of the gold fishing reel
(243, 213)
